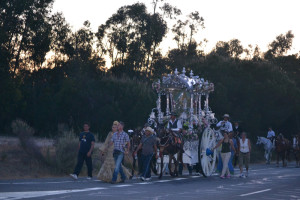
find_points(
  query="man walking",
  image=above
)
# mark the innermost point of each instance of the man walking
(149, 148)
(121, 142)
(86, 146)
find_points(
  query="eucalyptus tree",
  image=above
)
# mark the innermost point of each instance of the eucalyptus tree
(25, 31)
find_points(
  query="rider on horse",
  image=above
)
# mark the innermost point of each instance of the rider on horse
(271, 135)
(225, 125)
(175, 124)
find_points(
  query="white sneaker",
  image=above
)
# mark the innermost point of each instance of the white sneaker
(74, 176)
(242, 175)
(89, 178)
(142, 178)
(148, 179)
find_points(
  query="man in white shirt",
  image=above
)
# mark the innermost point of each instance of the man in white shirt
(225, 125)
(271, 134)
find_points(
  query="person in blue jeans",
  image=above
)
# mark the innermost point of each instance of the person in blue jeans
(121, 142)
(149, 148)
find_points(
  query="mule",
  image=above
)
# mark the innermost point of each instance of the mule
(268, 146)
(168, 147)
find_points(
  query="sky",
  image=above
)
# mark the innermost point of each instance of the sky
(255, 22)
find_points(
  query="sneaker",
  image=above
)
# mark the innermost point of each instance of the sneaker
(228, 176)
(242, 176)
(74, 176)
(142, 178)
(148, 179)
(222, 177)
(89, 178)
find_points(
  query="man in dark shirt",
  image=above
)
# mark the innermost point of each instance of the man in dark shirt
(86, 146)
(149, 148)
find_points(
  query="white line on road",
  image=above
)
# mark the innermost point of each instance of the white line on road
(119, 186)
(260, 191)
(162, 181)
(34, 194)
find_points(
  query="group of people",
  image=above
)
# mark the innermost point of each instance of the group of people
(234, 145)
(113, 151)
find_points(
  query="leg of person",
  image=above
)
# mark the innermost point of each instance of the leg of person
(89, 164)
(123, 176)
(241, 164)
(225, 159)
(223, 155)
(220, 163)
(247, 161)
(80, 160)
(147, 168)
(140, 163)
(118, 160)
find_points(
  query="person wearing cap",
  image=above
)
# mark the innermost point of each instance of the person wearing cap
(149, 148)
(225, 125)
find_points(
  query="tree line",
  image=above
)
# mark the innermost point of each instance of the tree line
(50, 75)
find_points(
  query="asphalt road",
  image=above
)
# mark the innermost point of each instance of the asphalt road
(264, 182)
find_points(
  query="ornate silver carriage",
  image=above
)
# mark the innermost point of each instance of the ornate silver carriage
(188, 96)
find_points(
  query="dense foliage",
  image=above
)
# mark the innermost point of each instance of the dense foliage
(50, 75)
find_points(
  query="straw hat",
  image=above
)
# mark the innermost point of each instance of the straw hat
(226, 115)
(149, 129)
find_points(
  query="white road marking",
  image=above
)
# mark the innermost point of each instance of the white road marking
(119, 186)
(162, 181)
(144, 183)
(251, 193)
(34, 194)
(178, 179)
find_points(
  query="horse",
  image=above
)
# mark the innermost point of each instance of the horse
(282, 147)
(168, 146)
(268, 146)
(296, 149)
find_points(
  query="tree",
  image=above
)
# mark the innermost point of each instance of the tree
(280, 45)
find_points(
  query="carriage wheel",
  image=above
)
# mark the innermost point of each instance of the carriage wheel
(208, 140)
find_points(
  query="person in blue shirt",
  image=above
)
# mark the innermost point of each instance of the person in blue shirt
(86, 146)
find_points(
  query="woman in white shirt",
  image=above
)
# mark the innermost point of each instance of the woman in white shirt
(244, 154)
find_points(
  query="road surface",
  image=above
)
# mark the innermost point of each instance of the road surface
(264, 182)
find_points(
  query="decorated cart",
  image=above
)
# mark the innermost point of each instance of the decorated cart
(188, 96)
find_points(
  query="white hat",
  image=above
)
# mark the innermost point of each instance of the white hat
(149, 129)
(226, 115)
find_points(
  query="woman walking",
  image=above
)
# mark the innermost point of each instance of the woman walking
(106, 151)
(244, 154)
(225, 154)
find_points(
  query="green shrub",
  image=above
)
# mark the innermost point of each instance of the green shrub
(66, 148)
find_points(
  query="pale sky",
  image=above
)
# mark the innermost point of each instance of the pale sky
(252, 22)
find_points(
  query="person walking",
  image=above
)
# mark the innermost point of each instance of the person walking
(106, 152)
(121, 142)
(149, 148)
(225, 154)
(244, 154)
(86, 146)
